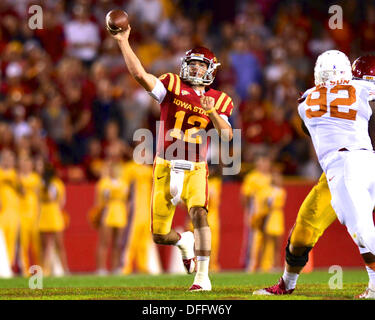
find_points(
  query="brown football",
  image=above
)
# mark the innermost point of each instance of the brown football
(116, 21)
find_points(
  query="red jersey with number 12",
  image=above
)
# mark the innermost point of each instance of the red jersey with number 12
(183, 119)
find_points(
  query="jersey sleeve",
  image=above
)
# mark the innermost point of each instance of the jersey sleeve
(303, 96)
(168, 83)
(224, 105)
(300, 110)
(171, 82)
(302, 102)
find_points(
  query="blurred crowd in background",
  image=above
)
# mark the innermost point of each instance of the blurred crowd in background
(65, 93)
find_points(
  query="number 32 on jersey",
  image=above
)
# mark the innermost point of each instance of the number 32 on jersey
(334, 112)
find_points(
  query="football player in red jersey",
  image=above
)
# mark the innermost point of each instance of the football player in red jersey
(316, 215)
(189, 108)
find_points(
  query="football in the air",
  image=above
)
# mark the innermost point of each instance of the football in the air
(116, 21)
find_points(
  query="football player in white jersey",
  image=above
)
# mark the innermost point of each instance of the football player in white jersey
(336, 113)
(345, 105)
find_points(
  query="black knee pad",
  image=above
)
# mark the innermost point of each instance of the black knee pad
(296, 261)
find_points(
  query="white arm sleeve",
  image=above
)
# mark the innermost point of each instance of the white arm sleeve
(223, 116)
(159, 92)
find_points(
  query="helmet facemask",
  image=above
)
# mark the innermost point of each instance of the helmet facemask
(192, 77)
(332, 65)
(331, 75)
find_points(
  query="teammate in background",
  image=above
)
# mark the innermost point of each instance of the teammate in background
(316, 213)
(9, 202)
(51, 219)
(111, 196)
(29, 210)
(268, 223)
(139, 240)
(254, 182)
(188, 107)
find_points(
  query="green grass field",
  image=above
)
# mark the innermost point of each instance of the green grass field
(226, 286)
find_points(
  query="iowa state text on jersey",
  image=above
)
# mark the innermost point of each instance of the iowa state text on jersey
(185, 129)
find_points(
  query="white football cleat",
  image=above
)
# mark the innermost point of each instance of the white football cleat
(186, 246)
(368, 294)
(201, 286)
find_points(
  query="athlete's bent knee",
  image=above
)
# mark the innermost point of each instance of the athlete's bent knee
(198, 216)
(198, 212)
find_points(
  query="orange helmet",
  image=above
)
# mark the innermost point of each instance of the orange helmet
(199, 54)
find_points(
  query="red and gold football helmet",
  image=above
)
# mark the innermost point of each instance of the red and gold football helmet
(199, 54)
(364, 68)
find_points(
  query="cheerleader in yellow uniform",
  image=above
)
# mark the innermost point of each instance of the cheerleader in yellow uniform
(111, 197)
(51, 220)
(273, 224)
(139, 241)
(9, 202)
(29, 204)
(254, 183)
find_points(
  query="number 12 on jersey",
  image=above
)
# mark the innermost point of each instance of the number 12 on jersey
(188, 134)
(321, 101)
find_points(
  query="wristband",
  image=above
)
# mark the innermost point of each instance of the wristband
(210, 111)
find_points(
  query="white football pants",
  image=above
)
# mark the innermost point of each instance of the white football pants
(351, 180)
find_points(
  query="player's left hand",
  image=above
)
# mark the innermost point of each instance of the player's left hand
(207, 103)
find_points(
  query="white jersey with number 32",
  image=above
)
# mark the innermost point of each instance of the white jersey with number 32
(336, 115)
